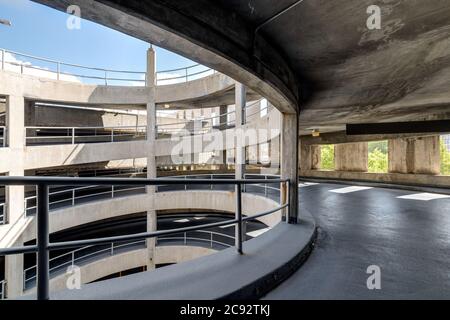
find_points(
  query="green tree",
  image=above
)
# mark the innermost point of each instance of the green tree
(327, 157)
(445, 158)
(378, 161)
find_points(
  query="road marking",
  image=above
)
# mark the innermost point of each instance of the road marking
(199, 218)
(350, 189)
(228, 226)
(424, 196)
(257, 232)
(307, 184)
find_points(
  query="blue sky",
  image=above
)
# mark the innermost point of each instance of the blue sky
(41, 31)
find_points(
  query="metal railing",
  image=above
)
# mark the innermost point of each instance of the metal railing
(73, 72)
(3, 137)
(181, 75)
(2, 290)
(2, 213)
(44, 246)
(69, 197)
(204, 125)
(69, 71)
(86, 254)
(73, 135)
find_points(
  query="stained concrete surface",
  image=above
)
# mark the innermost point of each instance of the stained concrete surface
(408, 239)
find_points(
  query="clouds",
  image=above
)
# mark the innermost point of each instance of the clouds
(13, 64)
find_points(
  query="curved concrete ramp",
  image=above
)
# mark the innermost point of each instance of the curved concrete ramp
(268, 260)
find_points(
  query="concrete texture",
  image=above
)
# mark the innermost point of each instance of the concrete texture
(408, 239)
(351, 157)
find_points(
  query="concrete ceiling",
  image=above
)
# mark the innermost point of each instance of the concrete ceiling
(344, 72)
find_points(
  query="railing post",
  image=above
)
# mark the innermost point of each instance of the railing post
(112, 248)
(73, 135)
(106, 77)
(58, 70)
(211, 185)
(112, 191)
(43, 276)
(239, 218)
(265, 187)
(73, 258)
(73, 197)
(112, 134)
(211, 239)
(185, 238)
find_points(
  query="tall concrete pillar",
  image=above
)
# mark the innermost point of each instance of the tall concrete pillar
(15, 121)
(151, 154)
(310, 157)
(223, 120)
(417, 155)
(289, 161)
(240, 103)
(351, 157)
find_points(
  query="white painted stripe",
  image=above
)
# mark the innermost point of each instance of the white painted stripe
(350, 189)
(199, 218)
(424, 196)
(182, 220)
(307, 184)
(257, 232)
(228, 226)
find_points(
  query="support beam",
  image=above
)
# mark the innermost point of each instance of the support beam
(15, 121)
(241, 101)
(151, 154)
(289, 161)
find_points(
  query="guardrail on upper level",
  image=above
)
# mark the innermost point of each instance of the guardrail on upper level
(3, 137)
(2, 213)
(43, 246)
(207, 124)
(2, 289)
(86, 254)
(181, 75)
(58, 70)
(69, 197)
(73, 135)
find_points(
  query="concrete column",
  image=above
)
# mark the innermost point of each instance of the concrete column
(397, 155)
(240, 102)
(310, 157)
(223, 120)
(151, 154)
(15, 121)
(14, 266)
(315, 155)
(289, 161)
(417, 155)
(351, 157)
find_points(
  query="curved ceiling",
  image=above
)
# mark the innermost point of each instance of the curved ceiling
(346, 73)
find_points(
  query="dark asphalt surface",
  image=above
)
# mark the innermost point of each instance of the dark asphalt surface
(408, 239)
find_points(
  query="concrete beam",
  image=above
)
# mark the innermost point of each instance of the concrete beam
(205, 32)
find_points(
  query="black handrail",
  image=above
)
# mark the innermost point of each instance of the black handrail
(44, 246)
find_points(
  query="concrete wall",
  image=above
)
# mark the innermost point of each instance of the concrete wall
(351, 156)
(412, 160)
